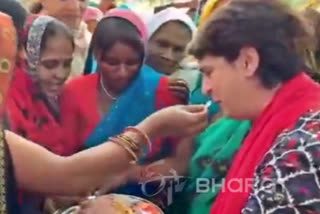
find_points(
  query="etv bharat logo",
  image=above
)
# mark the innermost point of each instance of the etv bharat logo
(167, 185)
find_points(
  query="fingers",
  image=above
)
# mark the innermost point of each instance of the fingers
(85, 205)
(180, 89)
(198, 119)
(195, 108)
(183, 86)
(178, 82)
(196, 129)
(181, 94)
(201, 116)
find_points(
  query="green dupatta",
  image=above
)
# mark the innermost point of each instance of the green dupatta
(214, 151)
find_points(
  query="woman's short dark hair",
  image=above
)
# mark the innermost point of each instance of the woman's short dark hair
(53, 29)
(18, 14)
(112, 30)
(268, 26)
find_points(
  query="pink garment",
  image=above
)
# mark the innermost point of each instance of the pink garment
(131, 17)
(92, 13)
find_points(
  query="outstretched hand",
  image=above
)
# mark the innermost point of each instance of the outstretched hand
(178, 121)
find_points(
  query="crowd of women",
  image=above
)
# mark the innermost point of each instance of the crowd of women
(96, 100)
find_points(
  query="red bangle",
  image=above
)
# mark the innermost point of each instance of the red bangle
(141, 133)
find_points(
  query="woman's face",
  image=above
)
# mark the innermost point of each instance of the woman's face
(166, 48)
(55, 65)
(118, 66)
(69, 12)
(231, 84)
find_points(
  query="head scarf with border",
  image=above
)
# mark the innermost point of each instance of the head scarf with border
(34, 31)
(168, 15)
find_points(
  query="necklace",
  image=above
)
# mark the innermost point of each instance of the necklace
(106, 91)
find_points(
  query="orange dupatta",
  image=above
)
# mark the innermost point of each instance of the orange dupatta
(8, 53)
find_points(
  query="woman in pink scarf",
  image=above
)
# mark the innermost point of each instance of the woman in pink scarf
(91, 17)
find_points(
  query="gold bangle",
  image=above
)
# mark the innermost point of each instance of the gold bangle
(134, 145)
(134, 156)
(123, 145)
(131, 142)
(145, 137)
(134, 148)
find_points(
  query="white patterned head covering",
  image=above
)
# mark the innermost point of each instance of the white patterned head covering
(33, 44)
(168, 15)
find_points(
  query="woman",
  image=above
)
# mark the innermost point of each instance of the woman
(32, 107)
(120, 89)
(197, 97)
(208, 158)
(170, 31)
(71, 13)
(88, 169)
(33, 103)
(247, 52)
(91, 17)
(213, 150)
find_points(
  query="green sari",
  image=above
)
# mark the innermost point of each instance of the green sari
(214, 151)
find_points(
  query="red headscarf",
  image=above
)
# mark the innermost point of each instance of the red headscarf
(29, 111)
(294, 98)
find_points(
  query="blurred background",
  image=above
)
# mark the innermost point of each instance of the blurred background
(146, 8)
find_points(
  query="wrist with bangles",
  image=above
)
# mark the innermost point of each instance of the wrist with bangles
(133, 141)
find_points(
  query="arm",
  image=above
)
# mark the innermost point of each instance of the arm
(167, 95)
(38, 170)
(170, 92)
(137, 174)
(179, 163)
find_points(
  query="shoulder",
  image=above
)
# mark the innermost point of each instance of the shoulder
(287, 177)
(304, 134)
(82, 83)
(79, 91)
